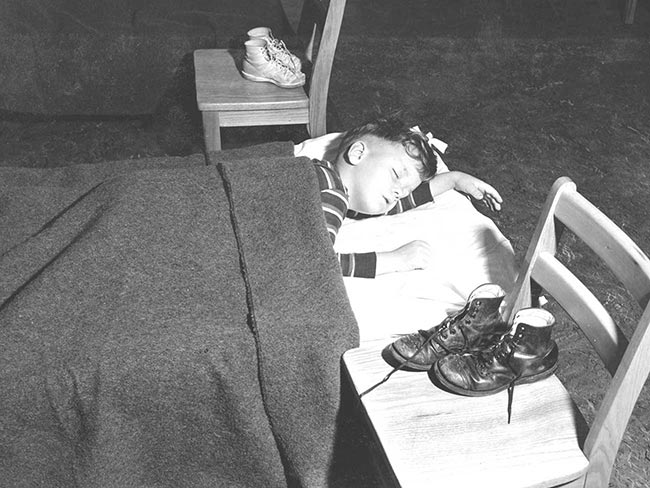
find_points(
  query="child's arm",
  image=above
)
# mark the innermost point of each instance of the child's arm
(468, 184)
(452, 180)
(418, 254)
(410, 256)
(358, 265)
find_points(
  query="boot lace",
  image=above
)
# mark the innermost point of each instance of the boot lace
(450, 327)
(501, 353)
(440, 331)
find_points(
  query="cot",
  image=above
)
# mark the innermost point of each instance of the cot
(161, 326)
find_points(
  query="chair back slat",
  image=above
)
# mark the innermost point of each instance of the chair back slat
(312, 22)
(606, 432)
(628, 263)
(321, 25)
(544, 238)
(626, 361)
(587, 311)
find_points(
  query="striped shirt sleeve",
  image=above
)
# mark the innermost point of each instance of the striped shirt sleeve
(334, 200)
(419, 196)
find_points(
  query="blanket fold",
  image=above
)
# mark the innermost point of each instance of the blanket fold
(168, 324)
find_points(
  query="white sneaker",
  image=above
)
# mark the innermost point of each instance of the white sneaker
(260, 64)
(277, 47)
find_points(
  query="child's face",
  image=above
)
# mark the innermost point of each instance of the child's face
(377, 173)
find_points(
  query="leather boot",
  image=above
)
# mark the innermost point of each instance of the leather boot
(477, 326)
(527, 356)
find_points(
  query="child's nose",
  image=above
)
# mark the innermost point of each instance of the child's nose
(402, 189)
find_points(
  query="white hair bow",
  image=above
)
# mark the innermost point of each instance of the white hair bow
(439, 145)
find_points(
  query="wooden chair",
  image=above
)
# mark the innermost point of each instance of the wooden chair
(226, 99)
(630, 9)
(428, 437)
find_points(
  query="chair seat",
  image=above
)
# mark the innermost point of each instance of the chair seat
(221, 88)
(430, 438)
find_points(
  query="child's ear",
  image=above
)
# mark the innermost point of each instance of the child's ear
(355, 152)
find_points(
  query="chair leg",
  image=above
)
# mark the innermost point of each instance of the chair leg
(211, 132)
(630, 8)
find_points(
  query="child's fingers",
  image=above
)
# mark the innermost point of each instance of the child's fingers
(492, 202)
(496, 196)
(490, 191)
(491, 198)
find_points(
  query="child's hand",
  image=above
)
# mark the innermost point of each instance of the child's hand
(414, 255)
(479, 190)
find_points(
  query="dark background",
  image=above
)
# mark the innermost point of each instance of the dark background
(523, 91)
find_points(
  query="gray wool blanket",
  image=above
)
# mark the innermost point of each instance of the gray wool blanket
(167, 323)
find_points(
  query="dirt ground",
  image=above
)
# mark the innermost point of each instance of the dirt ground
(523, 92)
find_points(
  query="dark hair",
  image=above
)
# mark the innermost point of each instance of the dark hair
(393, 129)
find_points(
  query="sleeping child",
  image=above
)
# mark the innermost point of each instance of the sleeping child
(384, 167)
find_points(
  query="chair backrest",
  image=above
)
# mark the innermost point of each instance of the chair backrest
(320, 25)
(627, 362)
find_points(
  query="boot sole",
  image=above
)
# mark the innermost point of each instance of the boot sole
(261, 79)
(398, 359)
(460, 391)
(395, 359)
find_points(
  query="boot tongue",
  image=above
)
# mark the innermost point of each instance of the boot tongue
(534, 317)
(535, 321)
(487, 291)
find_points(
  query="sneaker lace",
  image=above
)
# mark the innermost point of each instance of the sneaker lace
(280, 47)
(272, 58)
